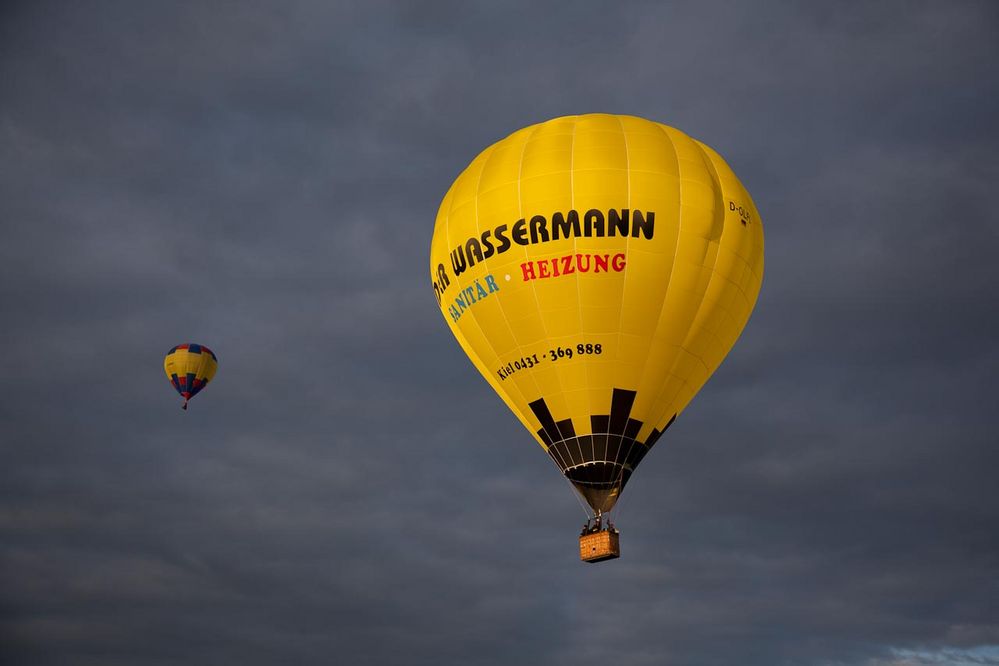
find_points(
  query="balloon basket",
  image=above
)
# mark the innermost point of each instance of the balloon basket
(600, 545)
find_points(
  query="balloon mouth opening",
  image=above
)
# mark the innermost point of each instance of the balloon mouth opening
(600, 483)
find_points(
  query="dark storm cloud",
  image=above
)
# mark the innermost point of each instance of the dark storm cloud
(264, 177)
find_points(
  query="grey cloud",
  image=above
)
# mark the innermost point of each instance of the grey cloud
(263, 178)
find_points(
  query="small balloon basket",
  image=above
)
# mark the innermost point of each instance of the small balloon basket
(598, 543)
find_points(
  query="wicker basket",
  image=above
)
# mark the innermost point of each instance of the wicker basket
(599, 546)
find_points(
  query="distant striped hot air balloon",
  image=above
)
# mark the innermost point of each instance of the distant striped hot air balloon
(189, 367)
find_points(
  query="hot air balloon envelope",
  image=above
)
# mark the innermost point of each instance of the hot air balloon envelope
(190, 367)
(596, 269)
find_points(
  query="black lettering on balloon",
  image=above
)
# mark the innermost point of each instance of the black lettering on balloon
(504, 242)
(593, 223)
(539, 229)
(644, 223)
(473, 251)
(617, 223)
(565, 226)
(519, 232)
(487, 245)
(458, 260)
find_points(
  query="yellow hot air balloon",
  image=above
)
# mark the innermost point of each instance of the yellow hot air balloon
(596, 269)
(190, 367)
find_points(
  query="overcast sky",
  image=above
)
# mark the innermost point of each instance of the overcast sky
(263, 178)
